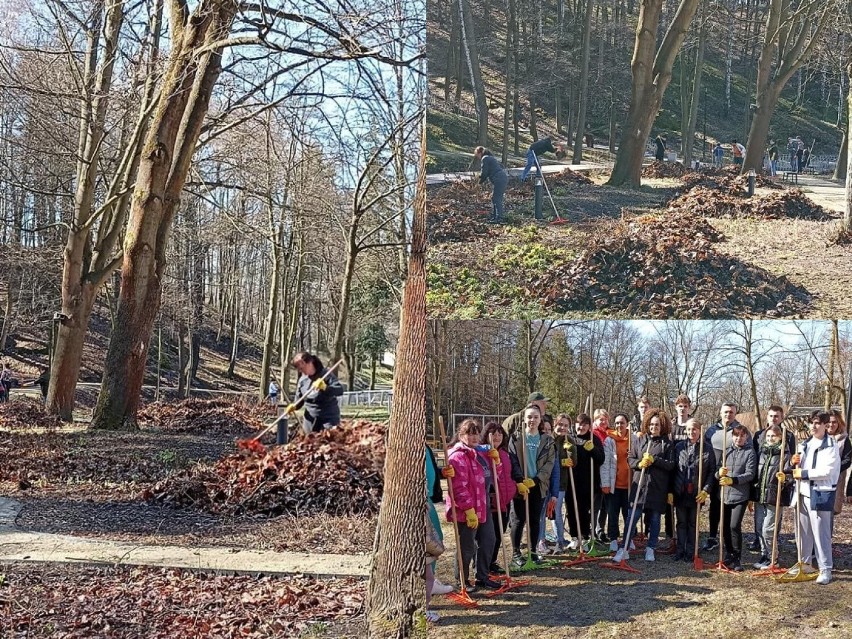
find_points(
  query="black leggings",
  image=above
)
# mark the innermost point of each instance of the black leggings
(495, 519)
(715, 510)
(733, 532)
(519, 518)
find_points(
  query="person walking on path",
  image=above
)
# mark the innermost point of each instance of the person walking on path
(718, 155)
(494, 172)
(739, 152)
(660, 153)
(816, 469)
(800, 154)
(537, 148)
(773, 158)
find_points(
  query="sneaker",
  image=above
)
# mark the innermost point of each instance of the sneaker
(490, 584)
(439, 588)
(559, 550)
(432, 616)
(537, 559)
(603, 538)
(762, 563)
(551, 537)
(649, 554)
(754, 546)
(687, 558)
(496, 569)
(620, 556)
(710, 544)
(542, 548)
(824, 577)
(613, 545)
(735, 565)
(678, 556)
(518, 561)
(632, 545)
(574, 544)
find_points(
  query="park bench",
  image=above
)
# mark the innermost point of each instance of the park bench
(790, 176)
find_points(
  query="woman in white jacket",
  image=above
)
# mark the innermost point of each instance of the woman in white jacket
(816, 469)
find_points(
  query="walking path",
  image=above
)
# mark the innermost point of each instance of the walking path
(441, 178)
(18, 545)
(829, 193)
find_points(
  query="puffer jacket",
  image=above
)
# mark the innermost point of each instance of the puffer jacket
(654, 490)
(607, 468)
(742, 468)
(545, 459)
(685, 478)
(766, 484)
(504, 481)
(622, 449)
(468, 484)
(820, 466)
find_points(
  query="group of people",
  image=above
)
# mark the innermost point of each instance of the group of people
(594, 471)
(7, 382)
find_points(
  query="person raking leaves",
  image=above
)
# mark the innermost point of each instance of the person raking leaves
(319, 392)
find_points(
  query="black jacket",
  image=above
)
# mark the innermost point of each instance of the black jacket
(586, 464)
(492, 170)
(742, 468)
(545, 145)
(657, 481)
(437, 495)
(759, 436)
(765, 483)
(320, 408)
(686, 472)
(845, 453)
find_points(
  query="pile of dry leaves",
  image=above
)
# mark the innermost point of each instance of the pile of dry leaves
(338, 471)
(727, 180)
(203, 415)
(26, 413)
(659, 169)
(566, 178)
(77, 603)
(704, 201)
(457, 213)
(666, 267)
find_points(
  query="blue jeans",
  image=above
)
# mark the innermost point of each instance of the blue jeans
(653, 527)
(531, 162)
(773, 167)
(500, 182)
(558, 519)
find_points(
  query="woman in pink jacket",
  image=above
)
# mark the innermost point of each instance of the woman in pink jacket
(471, 480)
(508, 472)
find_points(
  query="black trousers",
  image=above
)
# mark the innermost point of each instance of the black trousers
(733, 532)
(686, 528)
(519, 518)
(584, 506)
(715, 510)
(495, 519)
(618, 503)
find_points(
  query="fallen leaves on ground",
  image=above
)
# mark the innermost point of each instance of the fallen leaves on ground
(666, 266)
(26, 412)
(337, 471)
(203, 415)
(567, 177)
(727, 180)
(702, 200)
(658, 169)
(457, 212)
(81, 602)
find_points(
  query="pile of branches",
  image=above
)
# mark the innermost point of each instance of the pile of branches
(26, 413)
(663, 267)
(202, 415)
(659, 169)
(727, 180)
(779, 205)
(338, 471)
(457, 213)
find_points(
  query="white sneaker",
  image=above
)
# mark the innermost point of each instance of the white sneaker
(574, 544)
(824, 577)
(632, 545)
(432, 616)
(620, 556)
(649, 554)
(542, 548)
(613, 545)
(439, 588)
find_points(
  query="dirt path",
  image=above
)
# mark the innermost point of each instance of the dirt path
(667, 599)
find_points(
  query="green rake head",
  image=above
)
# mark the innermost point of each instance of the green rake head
(595, 548)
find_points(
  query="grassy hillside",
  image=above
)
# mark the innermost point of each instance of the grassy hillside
(451, 131)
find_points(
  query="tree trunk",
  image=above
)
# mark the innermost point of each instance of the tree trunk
(166, 154)
(842, 160)
(584, 83)
(689, 136)
(10, 303)
(396, 588)
(652, 72)
(507, 94)
(471, 54)
(847, 216)
(373, 371)
(271, 318)
(346, 286)
(451, 57)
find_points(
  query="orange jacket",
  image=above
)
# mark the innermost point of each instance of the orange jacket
(622, 470)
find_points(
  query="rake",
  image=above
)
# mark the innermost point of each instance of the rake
(508, 583)
(623, 565)
(461, 597)
(596, 548)
(720, 565)
(797, 572)
(773, 568)
(254, 444)
(559, 219)
(697, 561)
(582, 557)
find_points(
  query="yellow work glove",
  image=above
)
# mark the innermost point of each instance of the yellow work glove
(567, 463)
(723, 472)
(726, 481)
(529, 483)
(291, 408)
(523, 491)
(646, 461)
(670, 499)
(471, 518)
(567, 445)
(493, 454)
(319, 385)
(589, 445)
(448, 472)
(797, 473)
(796, 459)
(702, 496)
(781, 477)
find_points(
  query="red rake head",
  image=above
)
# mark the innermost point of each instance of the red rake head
(463, 599)
(508, 585)
(251, 445)
(622, 565)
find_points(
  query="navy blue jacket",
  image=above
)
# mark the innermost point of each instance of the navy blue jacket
(320, 408)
